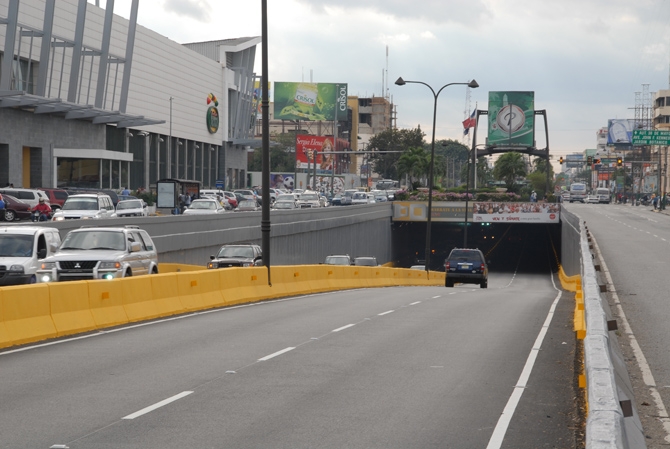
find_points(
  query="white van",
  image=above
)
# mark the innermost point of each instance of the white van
(577, 192)
(22, 249)
(603, 195)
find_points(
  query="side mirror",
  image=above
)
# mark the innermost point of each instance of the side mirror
(41, 254)
(135, 247)
(212, 257)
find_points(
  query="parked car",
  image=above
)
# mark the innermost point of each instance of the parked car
(85, 206)
(204, 206)
(239, 255)
(284, 205)
(365, 261)
(15, 209)
(57, 197)
(467, 266)
(338, 259)
(22, 249)
(288, 197)
(232, 199)
(125, 197)
(247, 206)
(131, 208)
(247, 194)
(101, 253)
(360, 198)
(28, 196)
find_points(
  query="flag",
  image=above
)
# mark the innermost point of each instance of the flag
(470, 122)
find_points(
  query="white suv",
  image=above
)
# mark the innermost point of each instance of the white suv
(86, 206)
(101, 253)
(29, 196)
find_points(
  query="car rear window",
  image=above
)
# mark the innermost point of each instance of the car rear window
(465, 255)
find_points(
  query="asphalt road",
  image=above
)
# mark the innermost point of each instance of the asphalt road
(635, 244)
(426, 367)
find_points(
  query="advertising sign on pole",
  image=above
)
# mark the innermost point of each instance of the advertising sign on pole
(620, 131)
(309, 149)
(511, 119)
(310, 101)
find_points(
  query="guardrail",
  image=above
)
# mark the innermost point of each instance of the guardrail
(31, 313)
(612, 418)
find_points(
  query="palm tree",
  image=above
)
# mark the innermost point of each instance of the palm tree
(508, 168)
(414, 163)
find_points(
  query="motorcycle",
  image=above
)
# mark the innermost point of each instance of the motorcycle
(37, 216)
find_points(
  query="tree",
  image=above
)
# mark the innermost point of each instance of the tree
(538, 178)
(508, 168)
(449, 154)
(385, 164)
(282, 154)
(413, 163)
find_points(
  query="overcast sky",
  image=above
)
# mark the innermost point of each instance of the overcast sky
(584, 59)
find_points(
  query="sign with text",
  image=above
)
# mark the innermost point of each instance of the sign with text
(491, 212)
(651, 137)
(310, 101)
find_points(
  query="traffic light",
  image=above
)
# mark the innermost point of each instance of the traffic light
(619, 161)
(589, 160)
(560, 160)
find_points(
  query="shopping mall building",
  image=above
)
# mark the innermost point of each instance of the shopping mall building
(90, 99)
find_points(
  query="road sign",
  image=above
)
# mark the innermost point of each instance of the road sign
(219, 184)
(651, 137)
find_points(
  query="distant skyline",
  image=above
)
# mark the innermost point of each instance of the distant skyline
(584, 59)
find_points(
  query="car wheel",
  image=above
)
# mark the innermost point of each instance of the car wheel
(10, 215)
(154, 270)
(129, 273)
(448, 283)
(33, 279)
(484, 284)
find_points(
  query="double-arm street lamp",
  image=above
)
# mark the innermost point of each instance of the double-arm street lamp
(401, 82)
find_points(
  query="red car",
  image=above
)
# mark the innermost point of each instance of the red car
(15, 209)
(56, 197)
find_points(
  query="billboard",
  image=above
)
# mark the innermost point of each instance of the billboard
(310, 101)
(575, 160)
(308, 148)
(511, 119)
(492, 212)
(620, 131)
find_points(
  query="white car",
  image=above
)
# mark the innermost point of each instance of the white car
(86, 206)
(22, 249)
(593, 199)
(204, 206)
(360, 198)
(131, 208)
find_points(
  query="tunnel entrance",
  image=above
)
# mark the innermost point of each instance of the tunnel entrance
(526, 248)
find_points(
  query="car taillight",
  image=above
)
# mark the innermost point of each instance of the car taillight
(447, 265)
(482, 266)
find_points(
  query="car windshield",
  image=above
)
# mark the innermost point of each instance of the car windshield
(16, 245)
(129, 205)
(309, 197)
(210, 205)
(360, 196)
(236, 251)
(81, 204)
(247, 203)
(337, 260)
(102, 240)
(284, 205)
(285, 198)
(366, 261)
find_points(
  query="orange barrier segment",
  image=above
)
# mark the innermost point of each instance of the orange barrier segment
(189, 287)
(211, 291)
(70, 307)
(138, 299)
(106, 301)
(166, 294)
(26, 312)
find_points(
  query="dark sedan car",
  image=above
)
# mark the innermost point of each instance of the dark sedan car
(240, 255)
(467, 266)
(15, 209)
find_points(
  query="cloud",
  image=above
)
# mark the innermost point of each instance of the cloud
(431, 11)
(199, 10)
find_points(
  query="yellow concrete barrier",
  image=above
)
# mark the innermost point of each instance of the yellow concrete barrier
(26, 312)
(106, 301)
(166, 294)
(178, 267)
(139, 301)
(211, 291)
(70, 307)
(189, 286)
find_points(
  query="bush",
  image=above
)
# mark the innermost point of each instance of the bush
(147, 196)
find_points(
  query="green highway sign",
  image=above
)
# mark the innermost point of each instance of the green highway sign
(651, 137)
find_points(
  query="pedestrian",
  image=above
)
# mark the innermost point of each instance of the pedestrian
(533, 197)
(125, 191)
(2, 202)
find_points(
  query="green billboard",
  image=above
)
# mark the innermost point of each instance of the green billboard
(310, 101)
(511, 119)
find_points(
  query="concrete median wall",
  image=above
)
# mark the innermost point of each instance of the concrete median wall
(38, 312)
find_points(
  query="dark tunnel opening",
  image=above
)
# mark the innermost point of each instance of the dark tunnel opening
(526, 248)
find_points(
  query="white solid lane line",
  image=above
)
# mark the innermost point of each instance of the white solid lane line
(283, 351)
(344, 327)
(157, 405)
(503, 423)
(385, 313)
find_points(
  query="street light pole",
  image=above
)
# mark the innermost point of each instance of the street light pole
(401, 82)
